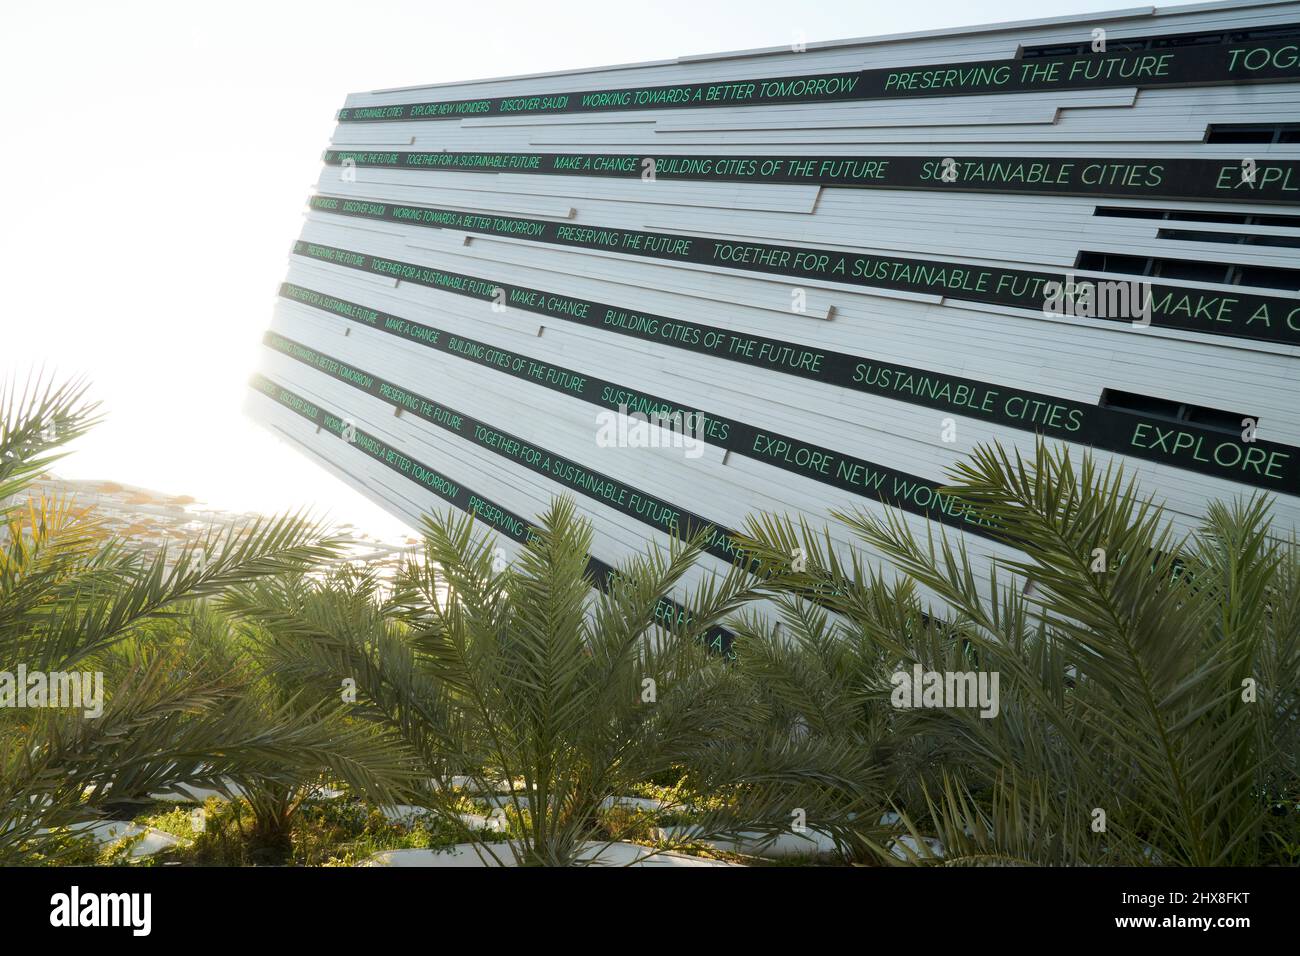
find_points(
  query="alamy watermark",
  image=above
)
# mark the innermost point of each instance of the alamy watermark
(659, 429)
(946, 690)
(75, 908)
(1099, 299)
(71, 690)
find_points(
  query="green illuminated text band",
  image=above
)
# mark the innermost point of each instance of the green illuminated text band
(1223, 179)
(1249, 315)
(855, 475)
(1183, 445)
(626, 499)
(1210, 65)
(499, 519)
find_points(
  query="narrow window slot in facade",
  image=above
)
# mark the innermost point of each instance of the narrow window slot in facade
(1231, 238)
(1214, 419)
(1185, 215)
(1262, 133)
(1190, 270)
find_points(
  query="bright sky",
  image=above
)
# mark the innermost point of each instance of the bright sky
(118, 120)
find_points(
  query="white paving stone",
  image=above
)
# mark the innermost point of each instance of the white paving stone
(110, 831)
(649, 804)
(596, 854)
(405, 814)
(186, 793)
(811, 843)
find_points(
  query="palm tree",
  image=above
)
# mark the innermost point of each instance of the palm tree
(826, 676)
(72, 598)
(221, 647)
(1149, 679)
(523, 678)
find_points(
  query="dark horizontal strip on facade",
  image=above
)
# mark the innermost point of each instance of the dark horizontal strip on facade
(1246, 315)
(824, 465)
(1226, 180)
(499, 519)
(1262, 464)
(1210, 65)
(626, 499)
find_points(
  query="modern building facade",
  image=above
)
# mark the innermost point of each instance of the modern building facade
(827, 272)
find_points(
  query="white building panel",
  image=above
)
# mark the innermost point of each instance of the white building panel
(1185, 178)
